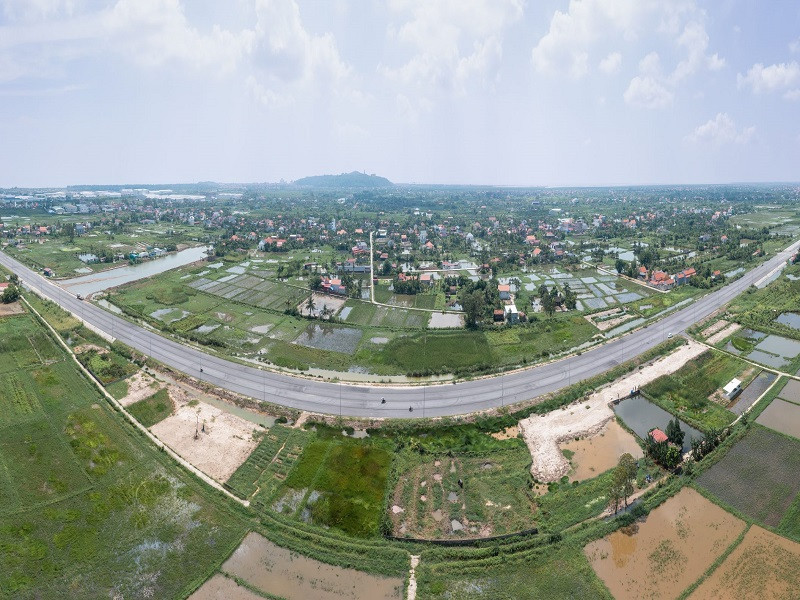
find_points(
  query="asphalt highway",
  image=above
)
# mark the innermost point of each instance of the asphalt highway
(411, 401)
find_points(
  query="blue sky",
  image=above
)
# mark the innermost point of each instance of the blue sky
(505, 92)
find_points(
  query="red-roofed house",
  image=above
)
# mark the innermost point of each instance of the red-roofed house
(659, 437)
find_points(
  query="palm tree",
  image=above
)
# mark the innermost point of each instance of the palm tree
(310, 306)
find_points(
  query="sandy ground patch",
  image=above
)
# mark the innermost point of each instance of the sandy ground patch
(283, 573)
(86, 347)
(714, 328)
(604, 325)
(585, 418)
(12, 308)
(507, 433)
(140, 386)
(223, 444)
(334, 303)
(763, 565)
(721, 335)
(597, 454)
(662, 555)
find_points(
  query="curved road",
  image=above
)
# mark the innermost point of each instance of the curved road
(365, 400)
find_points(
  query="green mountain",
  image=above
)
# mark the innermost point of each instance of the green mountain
(345, 180)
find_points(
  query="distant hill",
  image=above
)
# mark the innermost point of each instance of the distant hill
(345, 180)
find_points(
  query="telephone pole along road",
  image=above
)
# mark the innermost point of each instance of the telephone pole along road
(364, 400)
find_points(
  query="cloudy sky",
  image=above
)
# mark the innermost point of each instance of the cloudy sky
(506, 92)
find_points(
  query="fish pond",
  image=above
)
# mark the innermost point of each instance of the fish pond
(641, 415)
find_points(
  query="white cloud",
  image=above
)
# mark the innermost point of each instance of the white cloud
(454, 41)
(646, 92)
(721, 130)
(794, 46)
(769, 79)
(565, 46)
(694, 41)
(611, 63)
(792, 95)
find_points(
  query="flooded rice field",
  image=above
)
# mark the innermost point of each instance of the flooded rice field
(782, 416)
(752, 392)
(599, 453)
(791, 391)
(641, 415)
(660, 556)
(328, 337)
(790, 319)
(220, 587)
(763, 565)
(443, 321)
(280, 572)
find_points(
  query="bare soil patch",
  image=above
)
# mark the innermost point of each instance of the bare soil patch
(283, 573)
(12, 308)
(714, 328)
(763, 565)
(586, 418)
(140, 386)
(507, 433)
(662, 555)
(223, 442)
(603, 324)
(597, 454)
(87, 347)
(721, 335)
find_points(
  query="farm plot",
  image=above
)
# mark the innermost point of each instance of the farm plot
(763, 565)
(338, 483)
(596, 454)
(281, 573)
(783, 413)
(493, 497)
(759, 476)
(330, 337)
(563, 574)
(252, 290)
(687, 392)
(88, 510)
(373, 315)
(663, 554)
(268, 465)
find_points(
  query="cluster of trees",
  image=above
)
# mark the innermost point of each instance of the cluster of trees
(550, 299)
(10, 294)
(621, 485)
(667, 453)
(478, 299)
(410, 286)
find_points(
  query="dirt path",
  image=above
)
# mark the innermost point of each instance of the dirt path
(542, 433)
(412, 578)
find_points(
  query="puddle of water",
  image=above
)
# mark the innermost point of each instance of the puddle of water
(283, 573)
(162, 313)
(624, 327)
(110, 307)
(238, 270)
(379, 340)
(599, 453)
(641, 415)
(206, 328)
(345, 312)
(262, 328)
(791, 391)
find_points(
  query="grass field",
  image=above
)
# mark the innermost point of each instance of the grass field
(152, 410)
(686, 392)
(337, 482)
(759, 476)
(561, 573)
(88, 509)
